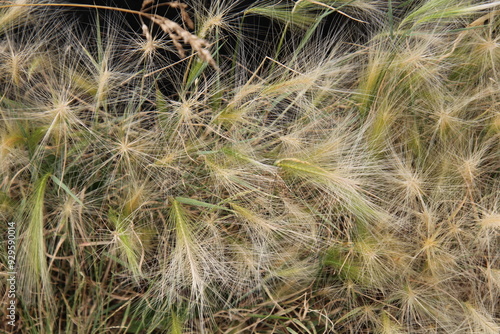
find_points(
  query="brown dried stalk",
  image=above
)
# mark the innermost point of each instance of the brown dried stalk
(177, 33)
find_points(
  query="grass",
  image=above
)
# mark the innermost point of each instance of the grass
(192, 178)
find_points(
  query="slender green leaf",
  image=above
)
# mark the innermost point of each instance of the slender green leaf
(66, 189)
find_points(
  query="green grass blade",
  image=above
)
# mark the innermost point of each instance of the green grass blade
(66, 189)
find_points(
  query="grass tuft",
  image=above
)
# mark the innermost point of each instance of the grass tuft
(336, 173)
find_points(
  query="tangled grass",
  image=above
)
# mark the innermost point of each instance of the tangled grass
(297, 185)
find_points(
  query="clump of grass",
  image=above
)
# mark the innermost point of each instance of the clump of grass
(303, 185)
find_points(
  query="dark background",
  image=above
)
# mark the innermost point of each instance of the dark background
(257, 30)
(261, 27)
